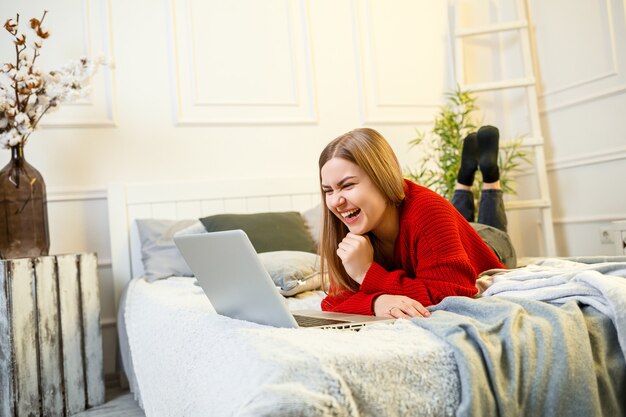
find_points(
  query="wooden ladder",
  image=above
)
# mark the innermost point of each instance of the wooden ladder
(527, 82)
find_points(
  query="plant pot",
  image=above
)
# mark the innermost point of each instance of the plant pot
(23, 209)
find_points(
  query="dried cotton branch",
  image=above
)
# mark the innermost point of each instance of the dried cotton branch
(27, 93)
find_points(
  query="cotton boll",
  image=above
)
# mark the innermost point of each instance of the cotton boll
(22, 118)
(9, 138)
(24, 130)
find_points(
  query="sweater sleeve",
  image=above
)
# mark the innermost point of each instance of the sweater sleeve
(441, 265)
(346, 301)
(429, 286)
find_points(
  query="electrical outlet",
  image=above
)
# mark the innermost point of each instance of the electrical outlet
(606, 236)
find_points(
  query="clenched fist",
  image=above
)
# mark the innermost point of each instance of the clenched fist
(356, 254)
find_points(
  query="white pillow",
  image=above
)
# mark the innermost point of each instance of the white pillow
(293, 272)
(194, 228)
(313, 219)
(159, 254)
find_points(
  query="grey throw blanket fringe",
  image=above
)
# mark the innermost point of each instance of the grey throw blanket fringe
(521, 357)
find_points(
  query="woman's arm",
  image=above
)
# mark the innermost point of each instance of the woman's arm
(378, 304)
(440, 263)
(346, 301)
(430, 285)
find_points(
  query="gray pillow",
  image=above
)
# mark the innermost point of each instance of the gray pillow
(268, 232)
(159, 254)
(293, 271)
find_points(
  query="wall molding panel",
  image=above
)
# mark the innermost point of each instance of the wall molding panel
(595, 158)
(224, 77)
(600, 218)
(610, 78)
(399, 86)
(97, 110)
(619, 89)
(581, 161)
(68, 194)
(613, 54)
(581, 83)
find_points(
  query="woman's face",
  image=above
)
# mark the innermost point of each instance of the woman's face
(352, 196)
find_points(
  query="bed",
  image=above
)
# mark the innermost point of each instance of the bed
(546, 339)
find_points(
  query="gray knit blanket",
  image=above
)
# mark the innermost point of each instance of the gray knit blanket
(536, 342)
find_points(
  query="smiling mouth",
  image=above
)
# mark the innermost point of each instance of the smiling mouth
(350, 215)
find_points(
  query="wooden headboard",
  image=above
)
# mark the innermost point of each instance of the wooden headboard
(193, 199)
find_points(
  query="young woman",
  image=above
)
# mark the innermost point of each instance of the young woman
(392, 247)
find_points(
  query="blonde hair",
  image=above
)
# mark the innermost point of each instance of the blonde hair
(369, 150)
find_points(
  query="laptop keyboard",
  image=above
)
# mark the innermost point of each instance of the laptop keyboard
(306, 321)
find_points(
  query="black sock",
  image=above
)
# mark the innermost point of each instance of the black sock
(488, 144)
(469, 160)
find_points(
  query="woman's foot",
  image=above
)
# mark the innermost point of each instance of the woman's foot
(488, 139)
(469, 161)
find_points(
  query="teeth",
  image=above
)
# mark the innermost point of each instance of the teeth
(348, 213)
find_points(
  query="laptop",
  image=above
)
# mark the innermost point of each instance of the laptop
(233, 278)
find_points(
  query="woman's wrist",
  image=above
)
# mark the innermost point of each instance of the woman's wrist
(361, 276)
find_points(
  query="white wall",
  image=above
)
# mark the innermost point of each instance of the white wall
(581, 50)
(209, 89)
(580, 60)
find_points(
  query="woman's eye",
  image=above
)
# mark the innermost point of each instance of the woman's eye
(348, 186)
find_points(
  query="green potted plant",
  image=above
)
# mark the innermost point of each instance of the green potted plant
(441, 149)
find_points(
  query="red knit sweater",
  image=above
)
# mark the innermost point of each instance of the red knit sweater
(437, 254)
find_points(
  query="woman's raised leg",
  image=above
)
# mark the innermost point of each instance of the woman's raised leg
(480, 151)
(463, 199)
(491, 209)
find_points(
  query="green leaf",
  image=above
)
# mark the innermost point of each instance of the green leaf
(452, 124)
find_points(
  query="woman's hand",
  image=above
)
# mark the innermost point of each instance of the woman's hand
(399, 307)
(356, 254)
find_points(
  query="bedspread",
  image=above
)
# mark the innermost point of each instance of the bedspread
(601, 285)
(507, 353)
(529, 358)
(190, 361)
